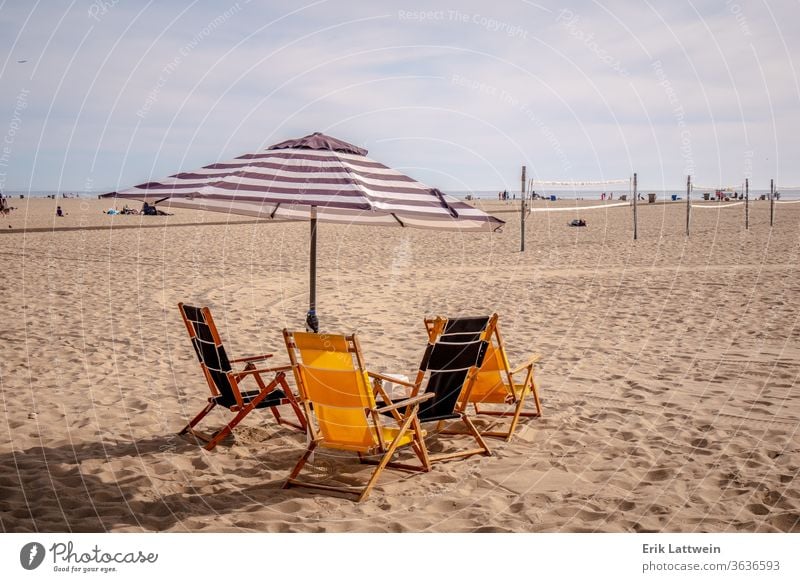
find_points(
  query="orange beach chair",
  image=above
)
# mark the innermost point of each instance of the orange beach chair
(339, 402)
(224, 381)
(497, 383)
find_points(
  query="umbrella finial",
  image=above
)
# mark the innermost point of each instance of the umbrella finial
(319, 141)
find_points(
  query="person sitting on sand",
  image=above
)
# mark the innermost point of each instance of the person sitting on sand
(59, 212)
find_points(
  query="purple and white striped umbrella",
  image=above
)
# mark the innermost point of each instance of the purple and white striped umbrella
(335, 178)
(313, 178)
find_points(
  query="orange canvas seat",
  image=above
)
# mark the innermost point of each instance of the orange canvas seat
(497, 382)
(224, 382)
(339, 402)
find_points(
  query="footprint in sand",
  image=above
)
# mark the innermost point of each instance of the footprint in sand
(758, 509)
(772, 498)
(787, 522)
(659, 475)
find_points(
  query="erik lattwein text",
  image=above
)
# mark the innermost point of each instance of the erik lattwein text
(683, 549)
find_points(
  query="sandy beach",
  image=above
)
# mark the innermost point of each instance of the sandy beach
(669, 378)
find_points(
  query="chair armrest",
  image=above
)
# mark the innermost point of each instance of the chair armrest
(528, 364)
(390, 379)
(262, 371)
(407, 402)
(251, 359)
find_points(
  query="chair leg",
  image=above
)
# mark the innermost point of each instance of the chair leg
(301, 418)
(300, 464)
(208, 408)
(280, 379)
(240, 416)
(515, 419)
(476, 435)
(299, 414)
(535, 391)
(276, 413)
(387, 456)
(228, 428)
(419, 446)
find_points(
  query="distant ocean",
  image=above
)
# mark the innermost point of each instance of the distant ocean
(559, 192)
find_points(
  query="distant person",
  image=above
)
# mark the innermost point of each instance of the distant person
(59, 212)
(611, 196)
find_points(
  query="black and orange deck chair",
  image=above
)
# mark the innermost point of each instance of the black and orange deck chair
(224, 381)
(497, 384)
(450, 365)
(337, 395)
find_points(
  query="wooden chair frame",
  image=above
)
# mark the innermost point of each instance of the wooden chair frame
(481, 449)
(435, 327)
(459, 410)
(244, 403)
(407, 421)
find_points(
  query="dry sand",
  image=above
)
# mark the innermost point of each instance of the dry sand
(669, 376)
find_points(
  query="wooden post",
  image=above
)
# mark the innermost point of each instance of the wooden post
(747, 203)
(771, 202)
(311, 316)
(522, 214)
(635, 195)
(688, 202)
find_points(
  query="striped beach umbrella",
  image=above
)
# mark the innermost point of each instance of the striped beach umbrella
(316, 178)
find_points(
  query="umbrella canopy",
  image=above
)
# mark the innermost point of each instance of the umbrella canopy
(316, 174)
(316, 177)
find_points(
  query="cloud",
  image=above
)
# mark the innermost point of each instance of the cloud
(462, 96)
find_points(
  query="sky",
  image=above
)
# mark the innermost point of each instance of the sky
(459, 95)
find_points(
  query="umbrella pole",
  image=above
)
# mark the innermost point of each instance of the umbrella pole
(522, 214)
(312, 322)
